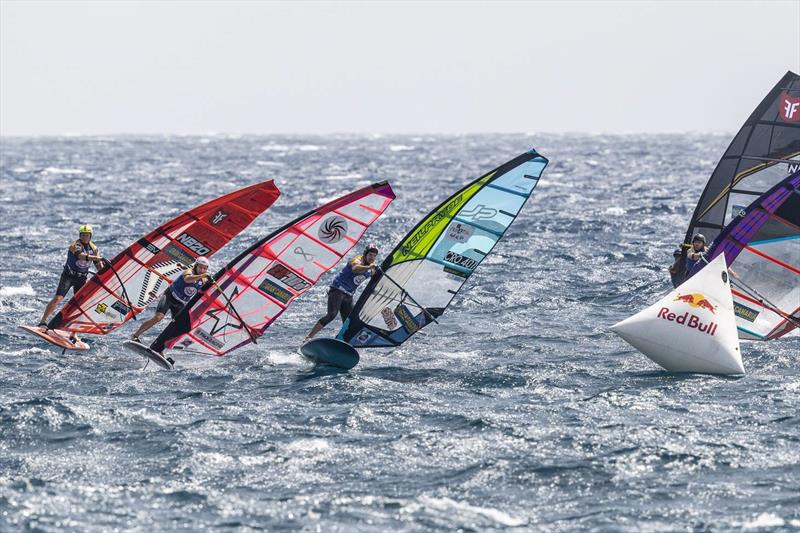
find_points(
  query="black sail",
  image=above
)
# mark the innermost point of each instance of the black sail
(763, 153)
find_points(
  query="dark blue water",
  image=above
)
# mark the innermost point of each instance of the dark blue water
(519, 410)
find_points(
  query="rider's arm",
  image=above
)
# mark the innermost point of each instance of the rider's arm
(358, 267)
(191, 277)
(81, 255)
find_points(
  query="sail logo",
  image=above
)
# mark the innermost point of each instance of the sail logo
(218, 217)
(789, 107)
(480, 212)
(149, 246)
(193, 244)
(696, 300)
(432, 221)
(738, 211)
(298, 250)
(332, 230)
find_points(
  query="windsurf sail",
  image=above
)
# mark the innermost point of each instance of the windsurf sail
(142, 272)
(691, 329)
(420, 277)
(252, 291)
(762, 245)
(764, 152)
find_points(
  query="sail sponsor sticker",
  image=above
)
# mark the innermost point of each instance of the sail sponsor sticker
(388, 318)
(193, 244)
(121, 308)
(454, 274)
(406, 318)
(332, 230)
(789, 107)
(104, 310)
(288, 278)
(178, 255)
(276, 291)
(459, 232)
(208, 339)
(364, 336)
(744, 312)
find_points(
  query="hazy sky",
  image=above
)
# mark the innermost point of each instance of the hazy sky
(389, 67)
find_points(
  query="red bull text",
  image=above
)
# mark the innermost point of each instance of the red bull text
(690, 320)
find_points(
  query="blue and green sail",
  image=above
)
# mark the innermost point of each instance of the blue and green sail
(421, 276)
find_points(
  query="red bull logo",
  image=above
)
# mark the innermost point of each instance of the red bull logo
(690, 320)
(696, 300)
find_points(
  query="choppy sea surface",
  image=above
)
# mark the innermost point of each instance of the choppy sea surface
(520, 410)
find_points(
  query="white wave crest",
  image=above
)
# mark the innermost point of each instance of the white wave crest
(447, 504)
(23, 290)
(56, 170)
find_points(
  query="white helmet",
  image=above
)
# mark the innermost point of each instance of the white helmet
(202, 261)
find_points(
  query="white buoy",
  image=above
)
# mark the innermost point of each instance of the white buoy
(693, 328)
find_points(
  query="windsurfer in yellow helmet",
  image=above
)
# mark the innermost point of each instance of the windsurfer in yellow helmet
(80, 255)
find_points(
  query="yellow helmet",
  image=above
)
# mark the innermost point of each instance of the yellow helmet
(85, 228)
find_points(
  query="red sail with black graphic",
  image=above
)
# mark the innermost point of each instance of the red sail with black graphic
(255, 288)
(143, 271)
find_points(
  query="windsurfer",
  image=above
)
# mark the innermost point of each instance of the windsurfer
(340, 293)
(675, 270)
(695, 254)
(80, 255)
(178, 294)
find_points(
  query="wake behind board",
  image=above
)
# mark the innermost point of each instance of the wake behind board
(141, 349)
(57, 337)
(331, 352)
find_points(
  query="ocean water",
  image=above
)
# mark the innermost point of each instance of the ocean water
(520, 410)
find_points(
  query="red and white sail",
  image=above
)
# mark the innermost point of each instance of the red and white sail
(254, 289)
(143, 271)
